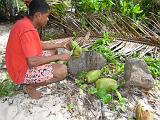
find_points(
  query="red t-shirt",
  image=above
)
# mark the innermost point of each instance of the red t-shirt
(23, 42)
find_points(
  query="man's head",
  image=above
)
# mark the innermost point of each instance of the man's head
(39, 11)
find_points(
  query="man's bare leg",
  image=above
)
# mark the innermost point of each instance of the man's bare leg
(59, 73)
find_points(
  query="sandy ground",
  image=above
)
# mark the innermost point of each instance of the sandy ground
(4, 34)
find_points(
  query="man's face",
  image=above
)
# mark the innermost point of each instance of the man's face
(42, 19)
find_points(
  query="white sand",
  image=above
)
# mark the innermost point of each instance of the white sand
(22, 107)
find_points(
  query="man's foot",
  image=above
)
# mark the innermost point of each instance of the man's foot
(32, 92)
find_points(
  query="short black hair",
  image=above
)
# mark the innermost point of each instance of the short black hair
(38, 6)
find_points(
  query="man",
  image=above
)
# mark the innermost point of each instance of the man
(25, 60)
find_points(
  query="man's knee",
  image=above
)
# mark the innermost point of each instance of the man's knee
(61, 71)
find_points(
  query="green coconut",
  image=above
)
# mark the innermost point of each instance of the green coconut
(93, 75)
(73, 44)
(76, 49)
(106, 83)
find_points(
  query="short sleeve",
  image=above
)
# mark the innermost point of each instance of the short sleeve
(31, 44)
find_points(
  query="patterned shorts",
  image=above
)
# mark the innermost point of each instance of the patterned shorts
(39, 74)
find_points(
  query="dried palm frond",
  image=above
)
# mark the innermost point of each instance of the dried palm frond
(122, 28)
(141, 33)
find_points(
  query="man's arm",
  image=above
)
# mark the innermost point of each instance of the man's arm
(50, 45)
(41, 60)
(58, 43)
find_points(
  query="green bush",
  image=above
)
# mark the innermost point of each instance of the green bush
(7, 88)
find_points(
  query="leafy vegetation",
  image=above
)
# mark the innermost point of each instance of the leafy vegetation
(115, 64)
(59, 9)
(154, 66)
(129, 8)
(7, 88)
(100, 46)
(149, 6)
(126, 7)
(70, 107)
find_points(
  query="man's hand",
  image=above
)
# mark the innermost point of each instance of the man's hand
(64, 57)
